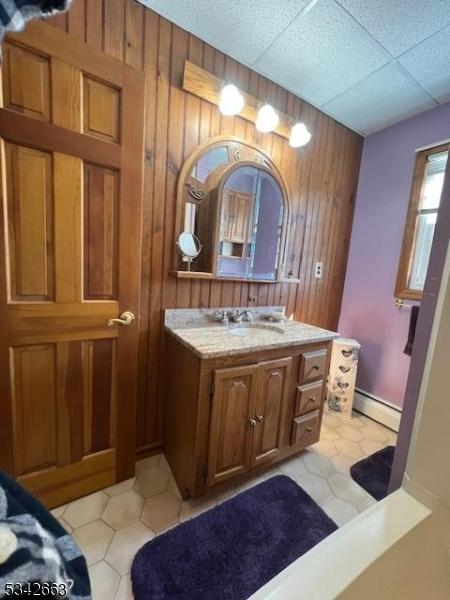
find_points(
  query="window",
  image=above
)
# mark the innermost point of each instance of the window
(423, 207)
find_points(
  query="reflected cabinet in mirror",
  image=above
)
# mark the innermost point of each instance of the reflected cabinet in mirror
(233, 199)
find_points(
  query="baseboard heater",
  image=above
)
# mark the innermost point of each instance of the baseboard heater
(377, 409)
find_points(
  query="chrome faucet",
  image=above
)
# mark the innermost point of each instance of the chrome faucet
(237, 317)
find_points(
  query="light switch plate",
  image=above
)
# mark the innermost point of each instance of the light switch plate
(318, 270)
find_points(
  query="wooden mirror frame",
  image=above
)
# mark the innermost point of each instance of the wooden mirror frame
(240, 154)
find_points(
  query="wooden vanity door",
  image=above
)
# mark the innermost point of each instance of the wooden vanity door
(270, 408)
(230, 445)
(71, 150)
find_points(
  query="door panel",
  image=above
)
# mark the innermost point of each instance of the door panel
(71, 144)
(29, 213)
(271, 402)
(230, 432)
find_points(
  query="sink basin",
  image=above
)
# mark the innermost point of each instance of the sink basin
(255, 330)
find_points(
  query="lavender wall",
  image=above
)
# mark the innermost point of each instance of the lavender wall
(368, 312)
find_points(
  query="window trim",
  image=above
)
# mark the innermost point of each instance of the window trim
(401, 286)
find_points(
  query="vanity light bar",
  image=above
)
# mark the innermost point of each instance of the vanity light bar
(231, 101)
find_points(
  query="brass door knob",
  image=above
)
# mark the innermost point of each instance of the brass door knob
(253, 422)
(126, 318)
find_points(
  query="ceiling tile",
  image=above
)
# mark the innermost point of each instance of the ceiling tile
(322, 53)
(429, 64)
(241, 28)
(385, 97)
(400, 24)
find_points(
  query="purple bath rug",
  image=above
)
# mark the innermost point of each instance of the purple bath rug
(373, 473)
(233, 549)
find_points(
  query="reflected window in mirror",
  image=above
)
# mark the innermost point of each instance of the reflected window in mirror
(209, 162)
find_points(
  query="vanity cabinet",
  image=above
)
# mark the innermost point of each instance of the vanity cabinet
(247, 417)
(228, 416)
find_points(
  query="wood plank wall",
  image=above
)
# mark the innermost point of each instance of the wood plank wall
(321, 178)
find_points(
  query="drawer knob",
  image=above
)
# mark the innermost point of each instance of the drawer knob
(312, 399)
(316, 366)
(308, 429)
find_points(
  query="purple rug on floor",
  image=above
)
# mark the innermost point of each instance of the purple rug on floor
(233, 549)
(373, 473)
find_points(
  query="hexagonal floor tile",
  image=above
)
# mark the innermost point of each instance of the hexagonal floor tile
(349, 433)
(164, 464)
(125, 543)
(315, 486)
(367, 503)
(104, 581)
(348, 448)
(193, 507)
(325, 447)
(330, 419)
(58, 511)
(65, 525)
(119, 488)
(161, 511)
(293, 467)
(373, 434)
(151, 482)
(328, 433)
(369, 446)
(93, 539)
(342, 463)
(85, 510)
(346, 489)
(124, 591)
(147, 463)
(320, 465)
(123, 509)
(173, 488)
(340, 511)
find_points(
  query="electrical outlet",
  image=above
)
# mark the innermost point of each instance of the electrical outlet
(318, 270)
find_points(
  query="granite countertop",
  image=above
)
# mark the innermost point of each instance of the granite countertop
(208, 339)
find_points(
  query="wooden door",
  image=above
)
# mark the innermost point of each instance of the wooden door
(72, 156)
(270, 408)
(231, 427)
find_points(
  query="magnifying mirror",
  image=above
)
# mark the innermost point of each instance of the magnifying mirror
(189, 247)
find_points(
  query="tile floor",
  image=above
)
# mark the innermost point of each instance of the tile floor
(111, 525)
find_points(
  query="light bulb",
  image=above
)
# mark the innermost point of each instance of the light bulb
(231, 100)
(299, 135)
(267, 119)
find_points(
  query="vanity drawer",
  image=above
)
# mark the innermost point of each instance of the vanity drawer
(313, 365)
(305, 430)
(309, 397)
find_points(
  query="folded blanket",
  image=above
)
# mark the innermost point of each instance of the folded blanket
(15, 13)
(42, 551)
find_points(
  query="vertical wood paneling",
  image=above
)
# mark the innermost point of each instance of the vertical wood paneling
(321, 178)
(102, 405)
(94, 23)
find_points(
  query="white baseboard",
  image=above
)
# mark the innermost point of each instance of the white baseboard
(377, 409)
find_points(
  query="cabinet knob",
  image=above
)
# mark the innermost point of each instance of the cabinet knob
(253, 422)
(316, 366)
(308, 429)
(259, 418)
(312, 399)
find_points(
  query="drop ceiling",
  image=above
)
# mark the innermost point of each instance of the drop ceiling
(367, 63)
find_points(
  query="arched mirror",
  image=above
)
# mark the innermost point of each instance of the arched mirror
(250, 224)
(232, 198)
